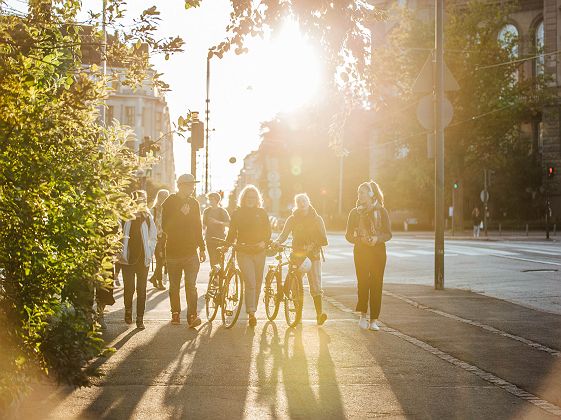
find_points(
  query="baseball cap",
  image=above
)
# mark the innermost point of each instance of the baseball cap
(186, 179)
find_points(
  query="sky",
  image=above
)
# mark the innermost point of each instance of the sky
(276, 75)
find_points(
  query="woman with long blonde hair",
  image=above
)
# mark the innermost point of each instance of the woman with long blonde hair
(368, 228)
(251, 230)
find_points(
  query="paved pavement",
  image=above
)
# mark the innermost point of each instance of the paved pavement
(440, 354)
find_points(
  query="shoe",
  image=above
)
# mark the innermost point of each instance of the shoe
(128, 317)
(252, 321)
(175, 318)
(363, 323)
(374, 326)
(154, 282)
(160, 286)
(194, 321)
(322, 318)
(117, 283)
(140, 323)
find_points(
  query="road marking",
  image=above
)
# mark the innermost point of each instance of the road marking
(468, 367)
(529, 260)
(485, 327)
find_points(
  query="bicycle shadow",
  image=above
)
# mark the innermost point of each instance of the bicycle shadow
(311, 390)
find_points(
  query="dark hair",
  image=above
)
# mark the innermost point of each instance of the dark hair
(375, 189)
(214, 195)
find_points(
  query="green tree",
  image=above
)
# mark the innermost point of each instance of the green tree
(495, 102)
(64, 181)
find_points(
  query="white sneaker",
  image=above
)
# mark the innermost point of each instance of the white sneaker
(374, 326)
(363, 323)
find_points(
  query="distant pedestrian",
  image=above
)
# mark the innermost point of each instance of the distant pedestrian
(139, 243)
(250, 228)
(215, 221)
(157, 277)
(308, 236)
(477, 221)
(369, 228)
(185, 247)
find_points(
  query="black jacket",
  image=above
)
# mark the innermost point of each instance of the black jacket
(181, 222)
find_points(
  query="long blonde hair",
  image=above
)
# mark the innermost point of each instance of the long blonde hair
(245, 190)
(160, 198)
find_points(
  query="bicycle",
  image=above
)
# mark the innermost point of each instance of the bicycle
(291, 291)
(225, 287)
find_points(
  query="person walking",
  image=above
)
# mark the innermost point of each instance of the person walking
(215, 221)
(369, 228)
(157, 276)
(250, 228)
(308, 238)
(181, 223)
(477, 221)
(139, 242)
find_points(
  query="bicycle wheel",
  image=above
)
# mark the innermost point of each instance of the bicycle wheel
(271, 295)
(212, 296)
(293, 300)
(232, 299)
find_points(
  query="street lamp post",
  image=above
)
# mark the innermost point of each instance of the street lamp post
(439, 147)
(207, 112)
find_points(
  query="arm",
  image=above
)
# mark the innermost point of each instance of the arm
(386, 234)
(268, 230)
(166, 216)
(205, 218)
(152, 234)
(286, 230)
(198, 226)
(233, 230)
(351, 227)
(324, 241)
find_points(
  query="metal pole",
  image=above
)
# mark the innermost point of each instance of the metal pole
(207, 112)
(439, 148)
(340, 198)
(453, 211)
(104, 58)
(193, 161)
(485, 187)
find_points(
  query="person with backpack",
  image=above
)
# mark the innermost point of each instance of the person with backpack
(308, 237)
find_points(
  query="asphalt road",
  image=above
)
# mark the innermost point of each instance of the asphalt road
(495, 354)
(524, 272)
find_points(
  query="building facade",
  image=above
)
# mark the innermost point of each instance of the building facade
(145, 110)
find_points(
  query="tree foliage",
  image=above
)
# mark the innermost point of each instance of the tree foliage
(495, 101)
(64, 181)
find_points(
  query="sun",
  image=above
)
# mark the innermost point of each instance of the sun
(291, 74)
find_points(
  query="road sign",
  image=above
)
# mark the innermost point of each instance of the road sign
(484, 196)
(425, 80)
(425, 112)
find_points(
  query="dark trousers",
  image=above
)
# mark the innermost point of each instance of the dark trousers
(135, 275)
(159, 253)
(176, 267)
(370, 263)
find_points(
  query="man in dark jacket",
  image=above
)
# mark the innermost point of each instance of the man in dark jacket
(185, 247)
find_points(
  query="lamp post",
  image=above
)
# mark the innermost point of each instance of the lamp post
(207, 112)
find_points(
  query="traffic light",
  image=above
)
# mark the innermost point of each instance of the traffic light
(197, 135)
(550, 171)
(456, 185)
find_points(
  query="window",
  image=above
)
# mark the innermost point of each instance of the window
(129, 116)
(539, 44)
(158, 121)
(508, 39)
(145, 118)
(110, 114)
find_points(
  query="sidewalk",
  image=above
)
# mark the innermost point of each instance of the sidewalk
(441, 354)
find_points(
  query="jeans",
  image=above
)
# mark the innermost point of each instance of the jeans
(137, 273)
(176, 267)
(252, 267)
(476, 230)
(213, 254)
(370, 263)
(159, 253)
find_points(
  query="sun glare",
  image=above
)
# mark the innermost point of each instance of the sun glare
(291, 70)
